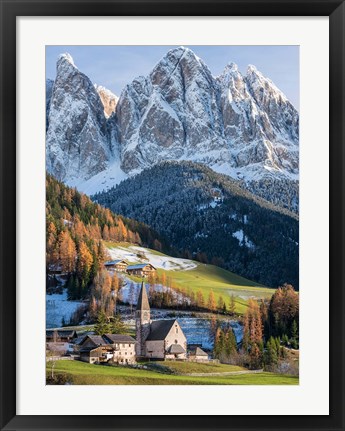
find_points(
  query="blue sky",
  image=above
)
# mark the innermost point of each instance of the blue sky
(115, 66)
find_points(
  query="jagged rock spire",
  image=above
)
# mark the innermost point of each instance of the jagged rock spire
(143, 301)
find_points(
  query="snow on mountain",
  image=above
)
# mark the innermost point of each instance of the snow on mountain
(171, 115)
(260, 125)
(77, 140)
(104, 180)
(239, 125)
(49, 91)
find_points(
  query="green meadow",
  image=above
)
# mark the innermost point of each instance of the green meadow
(205, 277)
(223, 283)
(80, 373)
(184, 367)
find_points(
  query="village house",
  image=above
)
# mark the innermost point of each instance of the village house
(158, 339)
(141, 270)
(60, 341)
(196, 354)
(115, 348)
(116, 265)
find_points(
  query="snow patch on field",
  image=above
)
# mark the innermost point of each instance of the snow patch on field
(197, 331)
(58, 308)
(130, 295)
(140, 254)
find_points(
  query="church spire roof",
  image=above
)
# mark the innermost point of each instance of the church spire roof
(143, 301)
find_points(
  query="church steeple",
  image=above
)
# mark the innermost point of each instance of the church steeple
(143, 301)
(142, 320)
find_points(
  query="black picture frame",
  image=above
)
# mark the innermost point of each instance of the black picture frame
(10, 9)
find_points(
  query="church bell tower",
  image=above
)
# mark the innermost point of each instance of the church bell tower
(142, 321)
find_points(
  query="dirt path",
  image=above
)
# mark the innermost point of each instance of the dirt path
(227, 373)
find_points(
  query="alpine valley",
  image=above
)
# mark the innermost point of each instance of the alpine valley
(210, 163)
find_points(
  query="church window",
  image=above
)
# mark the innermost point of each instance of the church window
(176, 330)
(176, 341)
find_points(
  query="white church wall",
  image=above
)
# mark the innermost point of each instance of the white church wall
(155, 349)
(176, 336)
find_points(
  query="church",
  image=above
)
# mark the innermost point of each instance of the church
(158, 339)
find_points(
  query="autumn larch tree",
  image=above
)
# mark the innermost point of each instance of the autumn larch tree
(232, 306)
(67, 252)
(52, 252)
(200, 301)
(211, 303)
(252, 334)
(84, 264)
(220, 304)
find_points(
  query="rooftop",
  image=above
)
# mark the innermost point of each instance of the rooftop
(119, 338)
(176, 349)
(143, 301)
(197, 351)
(106, 339)
(115, 262)
(139, 266)
(62, 333)
(160, 329)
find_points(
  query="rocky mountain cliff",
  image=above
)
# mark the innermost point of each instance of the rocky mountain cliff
(77, 141)
(108, 99)
(49, 90)
(240, 125)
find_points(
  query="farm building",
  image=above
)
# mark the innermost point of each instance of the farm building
(159, 339)
(196, 354)
(124, 348)
(141, 269)
(116, 265)
(66, 335)
(60, 341)
(107, 348)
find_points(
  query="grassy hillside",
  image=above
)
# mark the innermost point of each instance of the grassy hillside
(202, 277)
(80, 373)
(223, 283)
(183, 367)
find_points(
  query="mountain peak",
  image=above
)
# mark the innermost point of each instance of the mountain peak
(230, 69)
(251, 69)
(174, 56)
(65, 63)
(257, 81)
(232, 66)
(180, 62)
(180, 50)
(253, 74)
(66, 57)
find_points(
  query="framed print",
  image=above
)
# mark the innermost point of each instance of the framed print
(172, 215)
